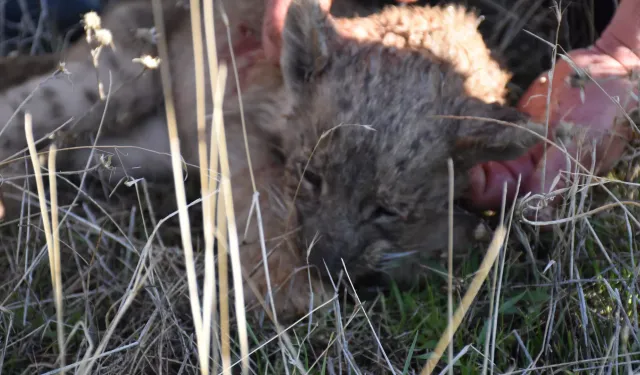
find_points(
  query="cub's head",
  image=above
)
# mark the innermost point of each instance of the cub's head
(369, 141)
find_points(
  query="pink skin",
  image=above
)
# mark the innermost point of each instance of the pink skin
(609, 62)
(276, 12)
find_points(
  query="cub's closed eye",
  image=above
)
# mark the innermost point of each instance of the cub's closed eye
(382, 212)
(312, 178)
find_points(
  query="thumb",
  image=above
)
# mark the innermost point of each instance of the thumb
(551, 172)
(604, 146)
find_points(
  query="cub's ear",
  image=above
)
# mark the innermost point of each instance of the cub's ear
(497, 133)
(306, 37)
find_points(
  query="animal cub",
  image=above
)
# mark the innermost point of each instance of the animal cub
(378, 106)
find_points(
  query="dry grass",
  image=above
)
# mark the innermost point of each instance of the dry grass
(105, 291)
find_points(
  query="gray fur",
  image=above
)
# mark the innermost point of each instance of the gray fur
(367, 153)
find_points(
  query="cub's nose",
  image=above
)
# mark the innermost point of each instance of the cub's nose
(327, 255)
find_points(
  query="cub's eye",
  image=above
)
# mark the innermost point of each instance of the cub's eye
(312, 179)
(381, 212)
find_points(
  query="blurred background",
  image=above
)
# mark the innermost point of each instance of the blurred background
(38, 26)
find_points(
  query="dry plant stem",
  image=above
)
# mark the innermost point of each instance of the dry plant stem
(222, 249)
(548, 106)
(212, 186)
(221, 235)
(209, 180)
(487, 343)
(478, 280)
(55, 228)
(174, 144)
(53, 258)
(450, 278)
(223, 284)
(5, 341)
(493, 311)
(498, 277)
(581, 215)
(198, 57)
(234, 246)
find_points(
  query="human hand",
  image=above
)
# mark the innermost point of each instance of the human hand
(598, 117)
